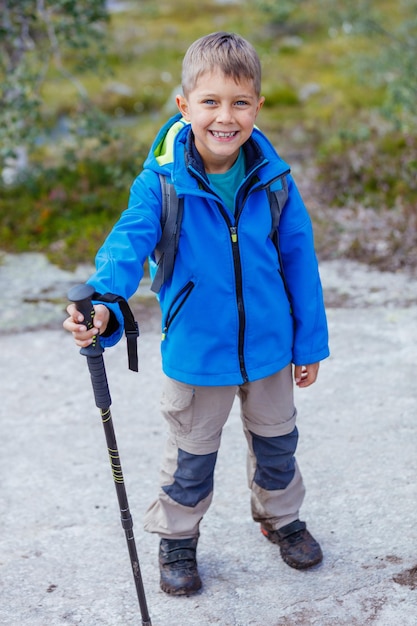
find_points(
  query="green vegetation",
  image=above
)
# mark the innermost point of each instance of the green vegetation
(66, 211)
(340, 86)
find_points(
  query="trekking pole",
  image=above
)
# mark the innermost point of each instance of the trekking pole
(81, 296)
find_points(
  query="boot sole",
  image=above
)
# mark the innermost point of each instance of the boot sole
(181, 591)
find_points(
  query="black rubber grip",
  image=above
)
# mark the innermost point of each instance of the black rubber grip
(81, 296)
(99, 382)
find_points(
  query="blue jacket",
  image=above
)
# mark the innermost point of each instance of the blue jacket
(226, 316)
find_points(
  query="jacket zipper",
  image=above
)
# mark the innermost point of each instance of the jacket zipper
(185, 291)
(238, 276)
(239, 300)
(239, 289)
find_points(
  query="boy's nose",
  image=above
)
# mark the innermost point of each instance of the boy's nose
(225, 114)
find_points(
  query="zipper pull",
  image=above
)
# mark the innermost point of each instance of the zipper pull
(164, 334)
(233, 232)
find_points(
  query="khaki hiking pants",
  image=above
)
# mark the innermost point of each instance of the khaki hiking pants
(196, 416)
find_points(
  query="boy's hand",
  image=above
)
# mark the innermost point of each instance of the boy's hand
(74, 324)
(306, 375)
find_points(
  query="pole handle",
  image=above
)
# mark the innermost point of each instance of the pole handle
(81, 296)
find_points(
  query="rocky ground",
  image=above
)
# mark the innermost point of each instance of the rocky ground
(63, 557)
(33, 291)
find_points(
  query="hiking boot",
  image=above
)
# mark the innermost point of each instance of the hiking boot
(298, 548)
(178, 566)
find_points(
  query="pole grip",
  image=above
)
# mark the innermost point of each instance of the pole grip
(81, 296)
(99, 381)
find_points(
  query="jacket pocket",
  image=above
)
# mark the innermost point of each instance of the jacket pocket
(176, 306)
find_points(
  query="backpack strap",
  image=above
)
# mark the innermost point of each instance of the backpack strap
(277, 199)
(171, 217)
(131, 325)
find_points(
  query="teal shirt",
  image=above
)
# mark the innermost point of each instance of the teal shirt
(228, 182)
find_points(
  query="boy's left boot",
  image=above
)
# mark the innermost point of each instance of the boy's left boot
(298, 547)
(178, 566)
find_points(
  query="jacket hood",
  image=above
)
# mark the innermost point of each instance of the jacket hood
(170, 138)
(161, 154)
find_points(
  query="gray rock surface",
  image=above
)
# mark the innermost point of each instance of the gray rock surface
(63, 556)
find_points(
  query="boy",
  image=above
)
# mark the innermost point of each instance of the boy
(229, 325)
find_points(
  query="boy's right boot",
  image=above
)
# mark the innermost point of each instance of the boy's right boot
(178, 566)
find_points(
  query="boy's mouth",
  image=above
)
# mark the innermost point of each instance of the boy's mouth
(223, 135)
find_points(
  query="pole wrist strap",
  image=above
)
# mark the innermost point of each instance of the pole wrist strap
(131, 325)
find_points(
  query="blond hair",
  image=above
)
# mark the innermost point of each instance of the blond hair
(227, 52)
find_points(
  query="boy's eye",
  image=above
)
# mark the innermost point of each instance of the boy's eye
(209, 101)
(241, 103)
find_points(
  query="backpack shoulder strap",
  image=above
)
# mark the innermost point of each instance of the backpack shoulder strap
(171, 217)
(277, 199)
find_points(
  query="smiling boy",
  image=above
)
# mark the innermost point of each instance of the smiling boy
(232, 325)
(222, 113)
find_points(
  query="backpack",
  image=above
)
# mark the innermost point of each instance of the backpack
(171, 218)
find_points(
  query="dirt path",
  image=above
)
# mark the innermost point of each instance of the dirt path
(63, 558)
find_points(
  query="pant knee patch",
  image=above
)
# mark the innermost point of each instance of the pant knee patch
(193, 478)
(275, 461)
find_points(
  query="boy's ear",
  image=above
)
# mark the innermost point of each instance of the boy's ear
(260, 104)
(182, 105)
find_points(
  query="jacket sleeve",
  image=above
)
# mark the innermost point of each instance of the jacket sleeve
(119, 262)
(303, 280)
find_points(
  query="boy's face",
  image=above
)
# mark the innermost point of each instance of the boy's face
(222, 114)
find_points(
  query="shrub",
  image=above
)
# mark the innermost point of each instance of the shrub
(65, 211)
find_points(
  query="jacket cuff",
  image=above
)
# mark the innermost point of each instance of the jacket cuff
(115, 329)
